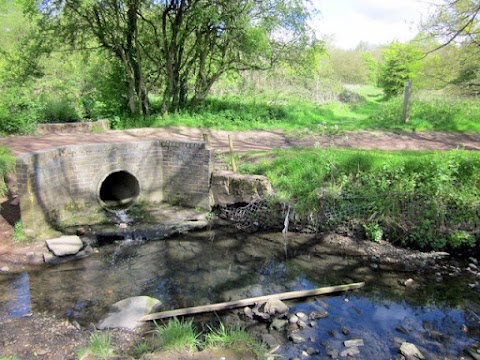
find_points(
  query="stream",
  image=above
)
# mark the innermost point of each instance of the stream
(439, 316)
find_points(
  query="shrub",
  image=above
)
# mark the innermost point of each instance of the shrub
(57, 110)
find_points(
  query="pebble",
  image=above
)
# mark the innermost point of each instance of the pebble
(271, 341)
(279, 324)
(410, 351)
(5, 269)
(292, 327)
(332, 353)
(352, 351)
(297, 339)
(402, 330)
(331, 333)
(302, 324)
(302, 316)
(408, 282)
(311, 351)
(345, 330)
(473, 266)
(353, 343)
(312, 324)
(473, 260)
(293, 319)
(320, 314)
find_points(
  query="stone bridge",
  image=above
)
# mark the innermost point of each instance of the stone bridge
(76, 185)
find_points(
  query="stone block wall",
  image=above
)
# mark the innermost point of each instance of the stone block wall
(75, 127)
(60, 187)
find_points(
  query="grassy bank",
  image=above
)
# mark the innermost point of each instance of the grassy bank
(430, 200)
(183, 340)
(366, 111)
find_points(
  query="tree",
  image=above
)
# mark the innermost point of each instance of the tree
(455, 21)
(401, 63)
(177, 47)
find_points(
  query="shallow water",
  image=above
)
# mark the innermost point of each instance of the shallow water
(221, 265)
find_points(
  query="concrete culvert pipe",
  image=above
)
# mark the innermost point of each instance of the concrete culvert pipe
(119, 190)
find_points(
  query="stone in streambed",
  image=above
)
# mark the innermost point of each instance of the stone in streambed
(410, 351)
(127, 313)
(65, 245)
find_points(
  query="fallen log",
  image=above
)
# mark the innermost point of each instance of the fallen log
(250, 301)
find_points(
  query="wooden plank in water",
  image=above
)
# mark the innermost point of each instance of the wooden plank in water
(250, 301)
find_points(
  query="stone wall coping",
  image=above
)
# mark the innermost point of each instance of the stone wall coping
(77, 147)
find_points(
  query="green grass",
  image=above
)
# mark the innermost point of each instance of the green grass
(429, 114)
(100, 345)
(181, 335)
(427, 199)
(235, 339)
(18, 233)
(7, 164)
(256, 111)
(177, 335)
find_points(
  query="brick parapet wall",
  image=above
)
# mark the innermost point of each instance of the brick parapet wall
(60, 186)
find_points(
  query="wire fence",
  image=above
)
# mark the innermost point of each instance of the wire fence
(400, 211)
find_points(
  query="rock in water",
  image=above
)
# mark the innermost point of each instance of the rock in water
(65, 245)
(275, 307)
(127, 313)
(410, 351)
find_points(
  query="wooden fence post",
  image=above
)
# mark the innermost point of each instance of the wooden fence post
(232, 153)
(406, 101)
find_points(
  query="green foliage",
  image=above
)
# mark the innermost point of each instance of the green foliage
(18, 111)
(401, 62)
(426, 199)
(429, 113)
(141, 348)
(101, 345)
(178, 334)
(178, 48)
(57, 110)
(7, 164)
(18, 233)
(236, 338)
(373, 232)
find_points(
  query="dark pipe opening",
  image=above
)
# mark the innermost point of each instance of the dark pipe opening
(119, 190)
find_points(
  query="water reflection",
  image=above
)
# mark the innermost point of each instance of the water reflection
(208, 267)
(15, 295)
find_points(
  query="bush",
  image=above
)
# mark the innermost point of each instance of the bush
(57, 110)
(18, 111)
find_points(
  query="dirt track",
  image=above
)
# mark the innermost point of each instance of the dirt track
(255, 140)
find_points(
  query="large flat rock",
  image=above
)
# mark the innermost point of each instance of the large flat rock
(127, 313)
(65, 245)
